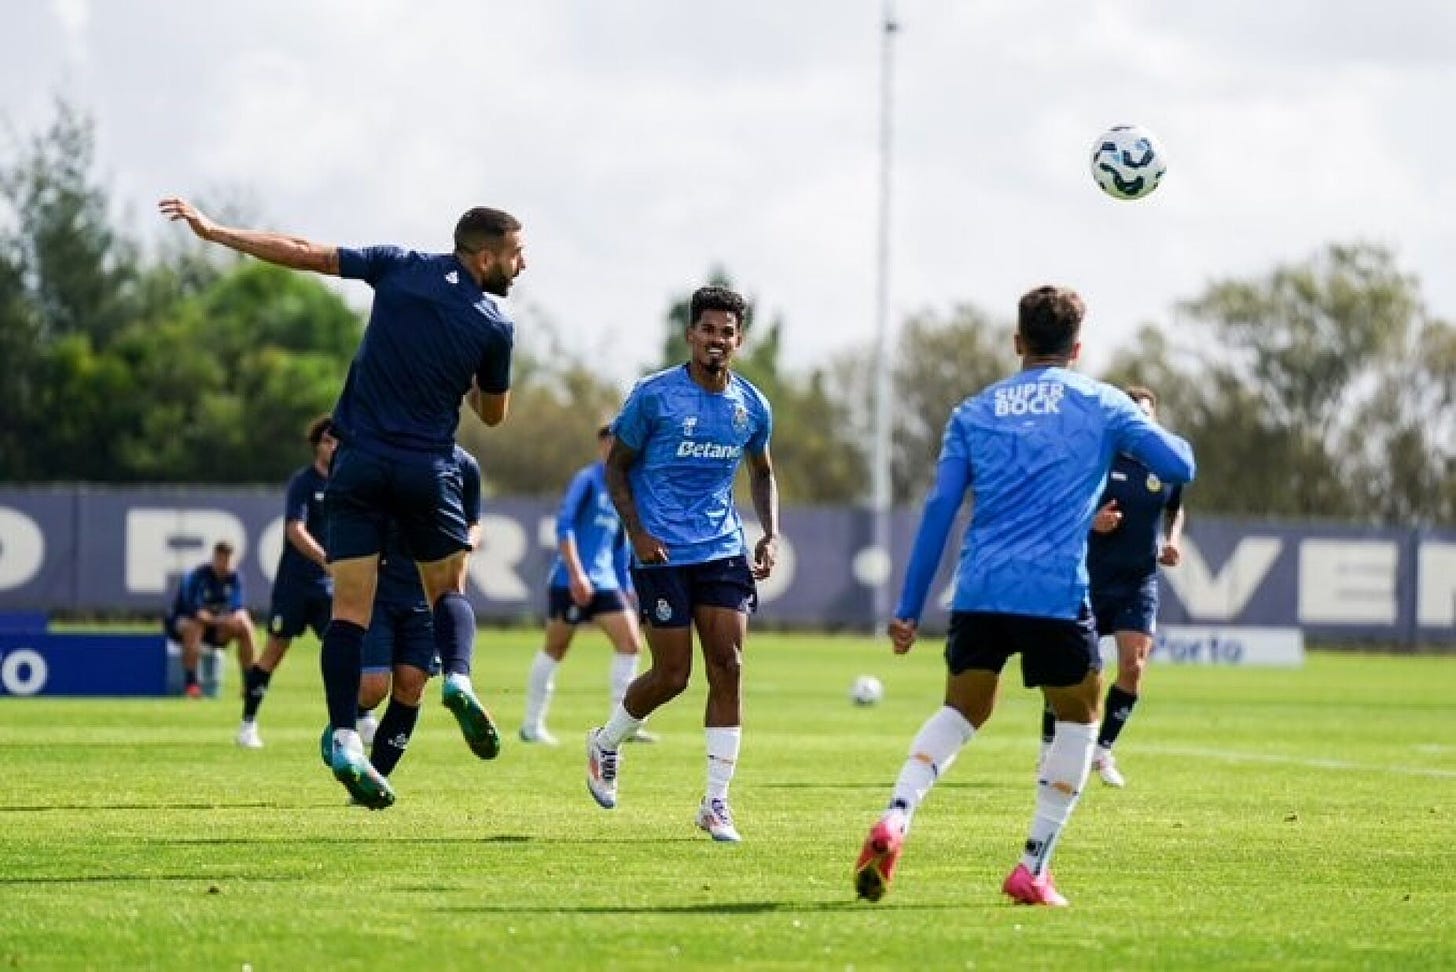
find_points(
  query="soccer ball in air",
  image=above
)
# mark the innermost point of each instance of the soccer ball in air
(1128, 162)
(866, 690)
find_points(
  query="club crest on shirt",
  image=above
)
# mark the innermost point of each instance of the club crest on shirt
(740, 418)
(1154, 483)
(663, 610)
(452, 277)
(690, 425)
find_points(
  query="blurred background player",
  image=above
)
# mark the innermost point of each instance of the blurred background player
(1123, 554)
(589, 581)
(437, 333)
(208, 608)
(1034, 449)
(302, 592)
(680, 439)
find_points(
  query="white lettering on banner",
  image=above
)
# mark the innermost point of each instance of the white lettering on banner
(23, 672)
(22, 549)
(776, 583)
(163, 542)
(1436, 585)
(1223, 596)
(546, 532)
(1347, 581)
(270, 548)
(1186, 644)
(493, 566)
(707, 450)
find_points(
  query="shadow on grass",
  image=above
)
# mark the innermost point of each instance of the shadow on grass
(40, 808)
(837, 905)
(310, 841)
(121, 877)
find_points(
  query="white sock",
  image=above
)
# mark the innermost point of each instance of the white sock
(1063, 775)
(624, 669)
(723, 743)
(933, 750)
(539, 686)
(348, 739)
(460, 681)
(621, 725)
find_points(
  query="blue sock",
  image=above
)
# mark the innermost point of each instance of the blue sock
(339, 661)
(454, 633)
(393, 735)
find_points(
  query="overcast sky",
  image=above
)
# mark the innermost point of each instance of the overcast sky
(644, 141)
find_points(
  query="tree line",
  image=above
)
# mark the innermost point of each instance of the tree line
(1323, 388)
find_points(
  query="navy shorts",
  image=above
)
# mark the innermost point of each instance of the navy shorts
(560, 606)
(293, 611)
(400, 634)
(1055, 652)
(423, 495)
(210, 635)
(1127, 608)
(667, 595)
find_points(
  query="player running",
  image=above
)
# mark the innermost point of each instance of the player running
(1123, 554)
(679, 441)
(1034, 450)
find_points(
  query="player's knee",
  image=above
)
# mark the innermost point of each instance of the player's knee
(373, 687)
(409, 685)
(725, 667)
(672, 680)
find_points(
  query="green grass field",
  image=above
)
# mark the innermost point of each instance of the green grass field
(1273, 819)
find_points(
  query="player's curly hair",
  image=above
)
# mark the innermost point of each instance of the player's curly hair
(1049, 319)
(720, 299)
(482, 226)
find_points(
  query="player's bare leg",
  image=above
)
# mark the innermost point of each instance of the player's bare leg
(1133, 649)
(672, 665)
(721, 632)
(355, 579)
(623, 632)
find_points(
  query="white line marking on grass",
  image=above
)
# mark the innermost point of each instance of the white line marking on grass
(1334, 764)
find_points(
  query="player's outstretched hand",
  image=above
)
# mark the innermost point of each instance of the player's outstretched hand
(1108, 518)
(1171, 556)
(765, 555)
(902, 634)
(174, 208)
(649, 549)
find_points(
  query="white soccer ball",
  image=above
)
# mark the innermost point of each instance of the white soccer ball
(866, 690)
(1128, 162)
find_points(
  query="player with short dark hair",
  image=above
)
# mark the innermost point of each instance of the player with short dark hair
(302, 591)
(438, 332)
(590, 581)
(208, 608)
(680, 439)
(1034, 451)
(1123, 554)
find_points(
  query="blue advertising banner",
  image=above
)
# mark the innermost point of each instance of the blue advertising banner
(103, 549)
(46, 663)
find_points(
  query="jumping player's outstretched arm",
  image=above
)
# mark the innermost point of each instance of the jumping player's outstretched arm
(292, 252)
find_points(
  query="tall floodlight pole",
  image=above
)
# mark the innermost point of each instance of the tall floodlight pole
(883, 364)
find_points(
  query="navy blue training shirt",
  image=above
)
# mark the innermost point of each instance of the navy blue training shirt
(431, 330)
(201, 587)
(1129, 554)
(304, 503)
